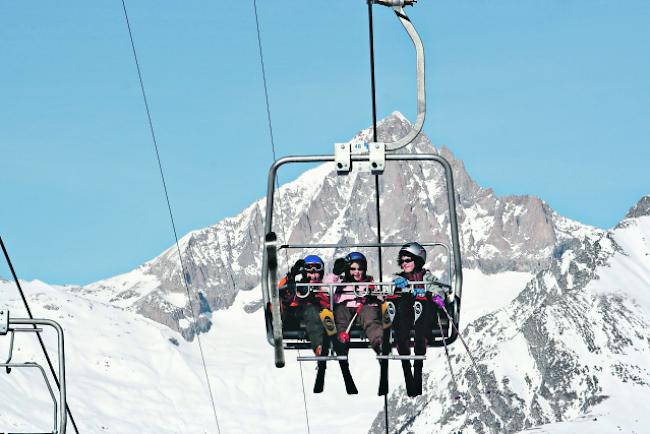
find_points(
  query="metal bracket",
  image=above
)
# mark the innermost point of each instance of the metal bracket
(342, 158)
(377, 157)
(4, 321)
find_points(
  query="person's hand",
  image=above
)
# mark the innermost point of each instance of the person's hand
(400, 282)
(438, 301)
(419, 292)
(297, 268)
(340, 266)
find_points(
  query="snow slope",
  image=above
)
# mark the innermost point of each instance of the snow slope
(126, 376)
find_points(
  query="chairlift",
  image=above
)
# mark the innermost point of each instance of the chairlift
(8, 326)
(371, 157)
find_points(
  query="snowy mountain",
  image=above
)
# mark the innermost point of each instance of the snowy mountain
(572, 346)
(514, 233)
(554, 311)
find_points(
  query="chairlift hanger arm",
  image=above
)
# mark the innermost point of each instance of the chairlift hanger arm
(397, 6)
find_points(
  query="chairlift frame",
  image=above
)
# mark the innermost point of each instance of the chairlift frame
(7, 326)
(270, 290)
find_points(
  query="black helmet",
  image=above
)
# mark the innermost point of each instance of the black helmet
(415, 251)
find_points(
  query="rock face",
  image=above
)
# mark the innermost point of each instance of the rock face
(518, 233)
(642, 208)
(576, 336)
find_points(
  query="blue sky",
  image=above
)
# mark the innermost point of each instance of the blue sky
(543, 98)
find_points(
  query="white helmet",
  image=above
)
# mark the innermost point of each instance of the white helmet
(415, 251)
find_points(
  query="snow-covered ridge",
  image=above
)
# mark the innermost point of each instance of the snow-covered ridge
(572, 346)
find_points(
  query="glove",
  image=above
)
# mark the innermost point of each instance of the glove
(340, 265)
(297, 268)
(438, 301)
(419, 292)
(400, 282)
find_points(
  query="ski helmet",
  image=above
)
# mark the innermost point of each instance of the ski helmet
(415, 251)
(315, 262)
(357, 257)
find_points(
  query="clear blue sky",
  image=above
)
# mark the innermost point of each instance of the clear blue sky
(549, 98)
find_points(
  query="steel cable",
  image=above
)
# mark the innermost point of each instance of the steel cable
(171, 215)
(277, 183)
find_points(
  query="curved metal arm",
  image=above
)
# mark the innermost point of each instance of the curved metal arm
(419, 53)
(62, 388)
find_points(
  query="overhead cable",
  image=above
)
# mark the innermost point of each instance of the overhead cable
(171, 216)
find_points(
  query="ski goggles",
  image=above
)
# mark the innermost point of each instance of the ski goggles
(313, 267)
(405, 260)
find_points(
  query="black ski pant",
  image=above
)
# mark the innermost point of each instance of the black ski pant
(403, 324)
(309, 314)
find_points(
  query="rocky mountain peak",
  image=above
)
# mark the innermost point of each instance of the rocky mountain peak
(641, 209)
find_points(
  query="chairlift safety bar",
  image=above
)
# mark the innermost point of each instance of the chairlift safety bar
(370, 245)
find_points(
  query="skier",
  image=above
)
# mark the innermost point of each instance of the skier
(414, 307)
(314, 311)
(296, 309)
(347, 304)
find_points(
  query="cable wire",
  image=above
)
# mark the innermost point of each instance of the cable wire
(171, 215)
(40, 339)
(374, 137)
(277, 182)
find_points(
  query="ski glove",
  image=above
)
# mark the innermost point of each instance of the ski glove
(400, 282)
(419, 292)
(340, 265)
(438, 301)
(297, 268)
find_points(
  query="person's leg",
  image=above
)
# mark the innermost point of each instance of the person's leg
(402, 325)
(342, 317)
(314, 327)
(422, 332)
(369, 317)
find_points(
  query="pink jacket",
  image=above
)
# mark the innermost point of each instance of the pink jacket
(344, 294)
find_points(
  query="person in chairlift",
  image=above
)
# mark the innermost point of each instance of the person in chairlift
(415, 307)
(310, 309)
(296, 309)
(346, 303)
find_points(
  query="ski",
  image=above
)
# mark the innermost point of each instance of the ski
(417, 377)
(350, 387)
(388, 316)
(319, 384)
(383, 364)
(408, 378)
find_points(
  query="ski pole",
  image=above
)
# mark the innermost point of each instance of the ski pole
(474, 364)
(451, 369)
(345, 336)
